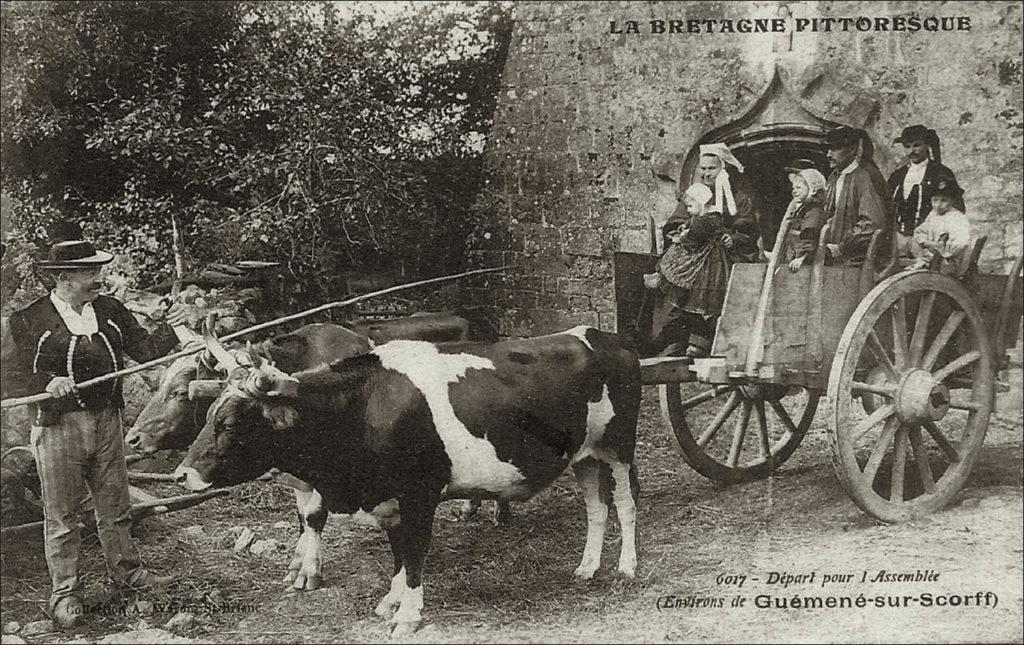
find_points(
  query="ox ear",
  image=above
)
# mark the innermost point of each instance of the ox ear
(255, 359)
(205, 389)
(282, 417)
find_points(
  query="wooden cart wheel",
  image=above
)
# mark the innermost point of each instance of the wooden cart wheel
(914, 340)
(744, 431)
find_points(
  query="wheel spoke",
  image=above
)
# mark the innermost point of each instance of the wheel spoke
(947, 447)
(899, 333)
(720, 418)
(924, 313)
(784, 416)
(762, 426)
(899, 463)
(924, 468)
(873, 388)
(883, 412)
(957, 365)
(739, 433)
(881, 356)
(878, 452)
(947, 331)
(707, 395)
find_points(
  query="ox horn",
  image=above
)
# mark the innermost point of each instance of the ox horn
(224, 358)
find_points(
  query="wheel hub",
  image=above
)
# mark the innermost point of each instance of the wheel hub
(921, 397)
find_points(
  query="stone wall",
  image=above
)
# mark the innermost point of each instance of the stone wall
(592, 129)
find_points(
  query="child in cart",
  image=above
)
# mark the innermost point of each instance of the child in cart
(941, 240)
(807, 216)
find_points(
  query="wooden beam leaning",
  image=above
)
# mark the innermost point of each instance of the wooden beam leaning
(814, 309)
(755, 350)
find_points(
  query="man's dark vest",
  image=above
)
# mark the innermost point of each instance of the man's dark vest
(46, 349)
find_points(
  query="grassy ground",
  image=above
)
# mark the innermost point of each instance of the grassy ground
(491, 584)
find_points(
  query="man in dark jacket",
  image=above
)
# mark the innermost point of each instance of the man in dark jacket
(854, 205)
(912, 185)
(71, 335)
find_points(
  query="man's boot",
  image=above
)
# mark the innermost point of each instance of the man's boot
(68, 612)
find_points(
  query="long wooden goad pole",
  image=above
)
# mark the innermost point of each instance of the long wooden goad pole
(35, 398)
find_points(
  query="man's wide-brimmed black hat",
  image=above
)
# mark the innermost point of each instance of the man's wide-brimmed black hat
(948, 188)
(72, 255)
(913, 133)
(842, 137)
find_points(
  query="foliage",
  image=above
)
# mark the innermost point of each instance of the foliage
(327, 139)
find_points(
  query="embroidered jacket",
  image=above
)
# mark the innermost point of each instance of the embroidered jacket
(44, 348)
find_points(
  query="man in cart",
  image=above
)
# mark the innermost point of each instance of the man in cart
(913, 184)
(66, 337)
(855, 202)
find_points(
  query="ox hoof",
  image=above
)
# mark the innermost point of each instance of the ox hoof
(585, 572)
(307, 582)
(405, 628)
(385, 608)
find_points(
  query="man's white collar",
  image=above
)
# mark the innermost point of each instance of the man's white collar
(80, 324)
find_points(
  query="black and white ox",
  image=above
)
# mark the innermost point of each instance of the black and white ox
(172, 418)
(388, 434)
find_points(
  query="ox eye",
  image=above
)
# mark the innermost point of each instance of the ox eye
(181, 396)
(222, 427)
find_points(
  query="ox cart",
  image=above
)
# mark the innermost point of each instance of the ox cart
(906, 361)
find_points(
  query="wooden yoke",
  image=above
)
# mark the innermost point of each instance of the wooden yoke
(755, 350)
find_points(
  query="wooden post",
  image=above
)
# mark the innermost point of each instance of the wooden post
(815, 313)
(755, 350)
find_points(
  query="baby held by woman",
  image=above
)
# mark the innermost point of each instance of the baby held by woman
(691, 277)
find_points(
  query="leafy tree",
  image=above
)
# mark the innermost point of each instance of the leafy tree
(280, 131)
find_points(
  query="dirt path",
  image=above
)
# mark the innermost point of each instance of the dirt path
(490, 584)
